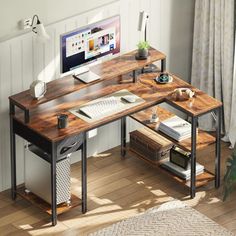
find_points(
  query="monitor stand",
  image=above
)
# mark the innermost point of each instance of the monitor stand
(85, 75)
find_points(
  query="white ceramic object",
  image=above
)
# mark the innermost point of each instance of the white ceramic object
(38, 89)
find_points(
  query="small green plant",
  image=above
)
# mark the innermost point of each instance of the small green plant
(230, 175)
(143, 45)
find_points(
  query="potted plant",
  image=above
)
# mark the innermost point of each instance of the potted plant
(143, 47)
(230, 175)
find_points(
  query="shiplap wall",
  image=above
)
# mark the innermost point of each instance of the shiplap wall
(23, 59)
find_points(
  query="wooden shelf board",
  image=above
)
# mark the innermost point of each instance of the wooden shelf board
(204, 139)
(46, 207)
(201, 103)
(201, 179)
(107, 70)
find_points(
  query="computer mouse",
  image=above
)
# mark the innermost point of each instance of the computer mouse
(129, 98)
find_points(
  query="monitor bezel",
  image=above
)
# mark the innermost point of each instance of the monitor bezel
(81, 28)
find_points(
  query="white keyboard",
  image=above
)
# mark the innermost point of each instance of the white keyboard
(102, 108)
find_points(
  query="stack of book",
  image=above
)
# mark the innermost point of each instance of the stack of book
(181, 172)
(176, 127)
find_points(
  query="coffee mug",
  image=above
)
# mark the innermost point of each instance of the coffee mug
(62, 121)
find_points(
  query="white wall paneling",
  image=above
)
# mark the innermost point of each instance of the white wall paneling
(12, 11)
(23, 59)
(5, 92)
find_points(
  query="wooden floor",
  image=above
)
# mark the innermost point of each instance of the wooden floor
(118, 189)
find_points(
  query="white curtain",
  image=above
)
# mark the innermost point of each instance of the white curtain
(213, 59)
(232, 126)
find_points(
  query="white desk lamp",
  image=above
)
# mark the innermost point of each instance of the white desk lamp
(142, 27)
(142, 23)
(39, 29)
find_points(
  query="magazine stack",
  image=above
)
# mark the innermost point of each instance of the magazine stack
(176, 127)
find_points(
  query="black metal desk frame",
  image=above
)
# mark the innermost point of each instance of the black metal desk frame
(17, 128)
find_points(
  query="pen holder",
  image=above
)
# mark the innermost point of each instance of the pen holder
(62, 121)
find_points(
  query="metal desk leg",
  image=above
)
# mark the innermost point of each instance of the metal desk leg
(163, 65)
(13, 153)
(27, 116)
(193, 156)
(123, 136)
(218, 148)
(53, 185)
(84, 173)
(134, 76)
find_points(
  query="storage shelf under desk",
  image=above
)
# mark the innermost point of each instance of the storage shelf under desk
(46, 207)
(204, 139)
(201, 179)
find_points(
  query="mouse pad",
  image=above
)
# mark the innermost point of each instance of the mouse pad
(125, 105)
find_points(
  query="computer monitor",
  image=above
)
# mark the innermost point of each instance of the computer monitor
(86, 44)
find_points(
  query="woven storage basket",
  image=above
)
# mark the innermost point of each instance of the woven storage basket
(150, 145)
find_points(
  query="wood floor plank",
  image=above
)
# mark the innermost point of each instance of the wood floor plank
(117, 189)
(9, 229)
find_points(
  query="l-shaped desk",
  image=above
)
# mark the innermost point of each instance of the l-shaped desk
(36, 120)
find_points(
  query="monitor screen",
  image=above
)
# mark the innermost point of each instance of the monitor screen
(89, 43)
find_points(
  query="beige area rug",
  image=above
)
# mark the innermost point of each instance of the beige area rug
(171, 218)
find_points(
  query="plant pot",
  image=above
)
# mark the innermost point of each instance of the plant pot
(143, 53)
